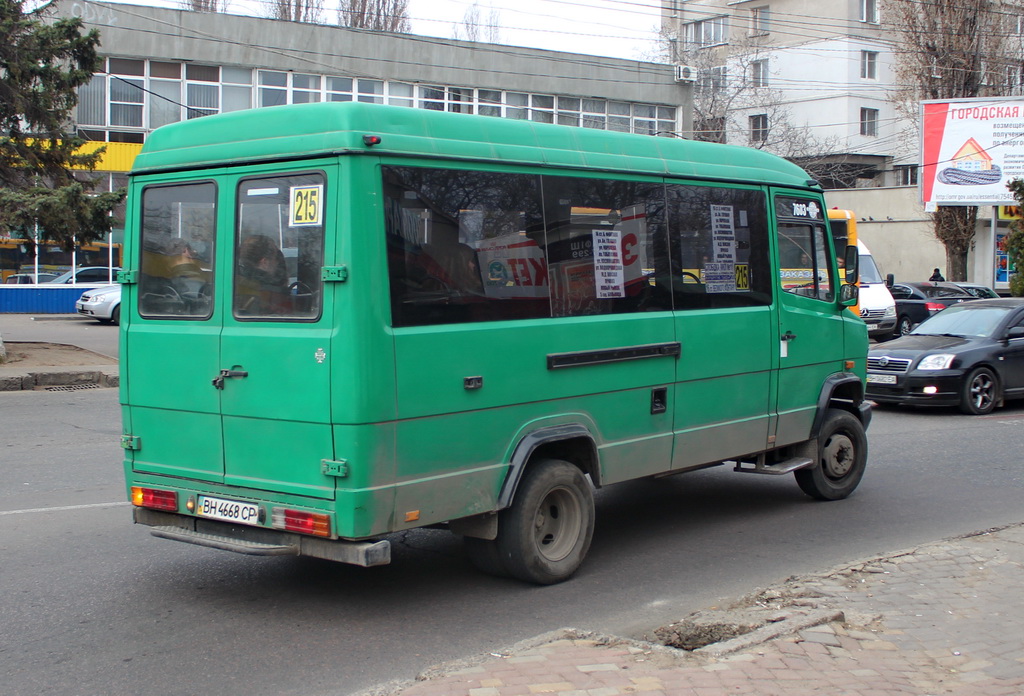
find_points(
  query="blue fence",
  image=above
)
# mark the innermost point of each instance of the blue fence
(39, 299)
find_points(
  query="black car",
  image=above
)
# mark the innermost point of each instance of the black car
(916, 302)
(970, 355)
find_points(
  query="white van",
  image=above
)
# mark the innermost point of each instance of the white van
(877, 308)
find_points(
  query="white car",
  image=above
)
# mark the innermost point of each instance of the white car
(103, 304)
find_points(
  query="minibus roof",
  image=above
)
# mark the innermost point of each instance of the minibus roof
(315, 130)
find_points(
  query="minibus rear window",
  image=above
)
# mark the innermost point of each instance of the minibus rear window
(177, 248)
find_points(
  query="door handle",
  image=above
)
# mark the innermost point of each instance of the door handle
(788, 336)
(218, 381)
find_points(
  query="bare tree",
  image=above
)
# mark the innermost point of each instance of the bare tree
(955, 49)
(380, 15)
(204, 5)
(475, 28)
(310, 11)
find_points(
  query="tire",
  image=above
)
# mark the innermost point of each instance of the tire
(979, 393)
(115, 316)
(485, 556)
(545, 534)
(840, 456)
(904, 326)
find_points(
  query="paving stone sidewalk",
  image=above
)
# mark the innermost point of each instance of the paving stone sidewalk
(943, 619)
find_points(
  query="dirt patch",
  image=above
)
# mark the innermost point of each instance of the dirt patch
(29, 354)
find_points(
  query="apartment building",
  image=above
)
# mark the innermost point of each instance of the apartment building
(799, 77)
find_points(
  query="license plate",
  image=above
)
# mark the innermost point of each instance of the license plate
(881, 379)
(228, 510)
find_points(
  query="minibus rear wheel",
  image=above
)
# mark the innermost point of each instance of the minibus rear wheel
(840, 455)
(545, 534)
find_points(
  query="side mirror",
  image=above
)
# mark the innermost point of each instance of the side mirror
(890, 280)
(849, 294)
(1015, 332)
(851, 261)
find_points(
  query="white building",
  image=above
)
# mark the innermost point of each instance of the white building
(800, 69)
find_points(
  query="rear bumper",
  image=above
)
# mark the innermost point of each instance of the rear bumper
(258, 541)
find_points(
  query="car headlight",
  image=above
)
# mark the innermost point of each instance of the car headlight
(890, 312)
(939, 361)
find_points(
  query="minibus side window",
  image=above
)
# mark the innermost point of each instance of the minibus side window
(177, 251)
(805, 265)
(602, 246)
(464, 246)
(719, 247)
(279, 246)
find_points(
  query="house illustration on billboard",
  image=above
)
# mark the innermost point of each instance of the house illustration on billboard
(971, 157)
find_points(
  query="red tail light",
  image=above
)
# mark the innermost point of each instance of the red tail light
(154, 498)
(313, 523)
(934, 307)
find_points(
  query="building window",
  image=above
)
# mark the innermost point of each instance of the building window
(273, 90)
(759, 73)
(869, 122)
(236, 92)
(305, 88)
(339, 89)
(706, 32)
(401, 94)
(372, 91)
(869, 11)
(869, 65)
(906, 175)
(713, 80)
(759, 128)
(759, 17)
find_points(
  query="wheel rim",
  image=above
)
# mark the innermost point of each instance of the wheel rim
(982, 391)
(904, 327)
(838, 456)
(558, 523)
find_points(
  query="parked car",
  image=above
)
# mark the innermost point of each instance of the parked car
(103, 304)
(86, 274)
(916, 302)
(970, 355)
(979, 291)
(28, 278)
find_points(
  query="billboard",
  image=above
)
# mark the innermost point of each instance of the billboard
(970, 149)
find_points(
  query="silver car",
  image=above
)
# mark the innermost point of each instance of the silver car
(103, 304)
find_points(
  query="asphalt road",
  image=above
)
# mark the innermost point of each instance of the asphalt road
(91, 604)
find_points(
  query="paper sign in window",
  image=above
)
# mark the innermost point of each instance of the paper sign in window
(306, 208)
(608, 272)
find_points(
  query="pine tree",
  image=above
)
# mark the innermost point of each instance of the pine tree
(44, 178)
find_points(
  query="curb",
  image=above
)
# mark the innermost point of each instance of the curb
(46, 377)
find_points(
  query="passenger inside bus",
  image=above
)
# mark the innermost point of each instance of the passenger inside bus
(261, 278)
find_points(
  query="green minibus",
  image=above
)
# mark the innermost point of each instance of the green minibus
(342, 320)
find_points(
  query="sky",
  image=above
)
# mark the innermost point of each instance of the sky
(614, 28)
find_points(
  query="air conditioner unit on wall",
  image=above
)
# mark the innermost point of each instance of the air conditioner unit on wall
(686, 73)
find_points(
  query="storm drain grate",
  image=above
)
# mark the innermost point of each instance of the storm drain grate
(71, 387)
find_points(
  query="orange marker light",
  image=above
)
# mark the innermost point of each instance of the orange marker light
(412, 515)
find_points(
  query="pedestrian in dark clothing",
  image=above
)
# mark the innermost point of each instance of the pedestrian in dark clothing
(936, 277)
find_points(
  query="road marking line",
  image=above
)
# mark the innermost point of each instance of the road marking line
(64, 508)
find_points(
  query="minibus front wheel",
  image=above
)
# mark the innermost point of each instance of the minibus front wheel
(545, 534)
(840, 455)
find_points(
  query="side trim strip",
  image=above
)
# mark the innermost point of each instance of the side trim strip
(557, 361)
